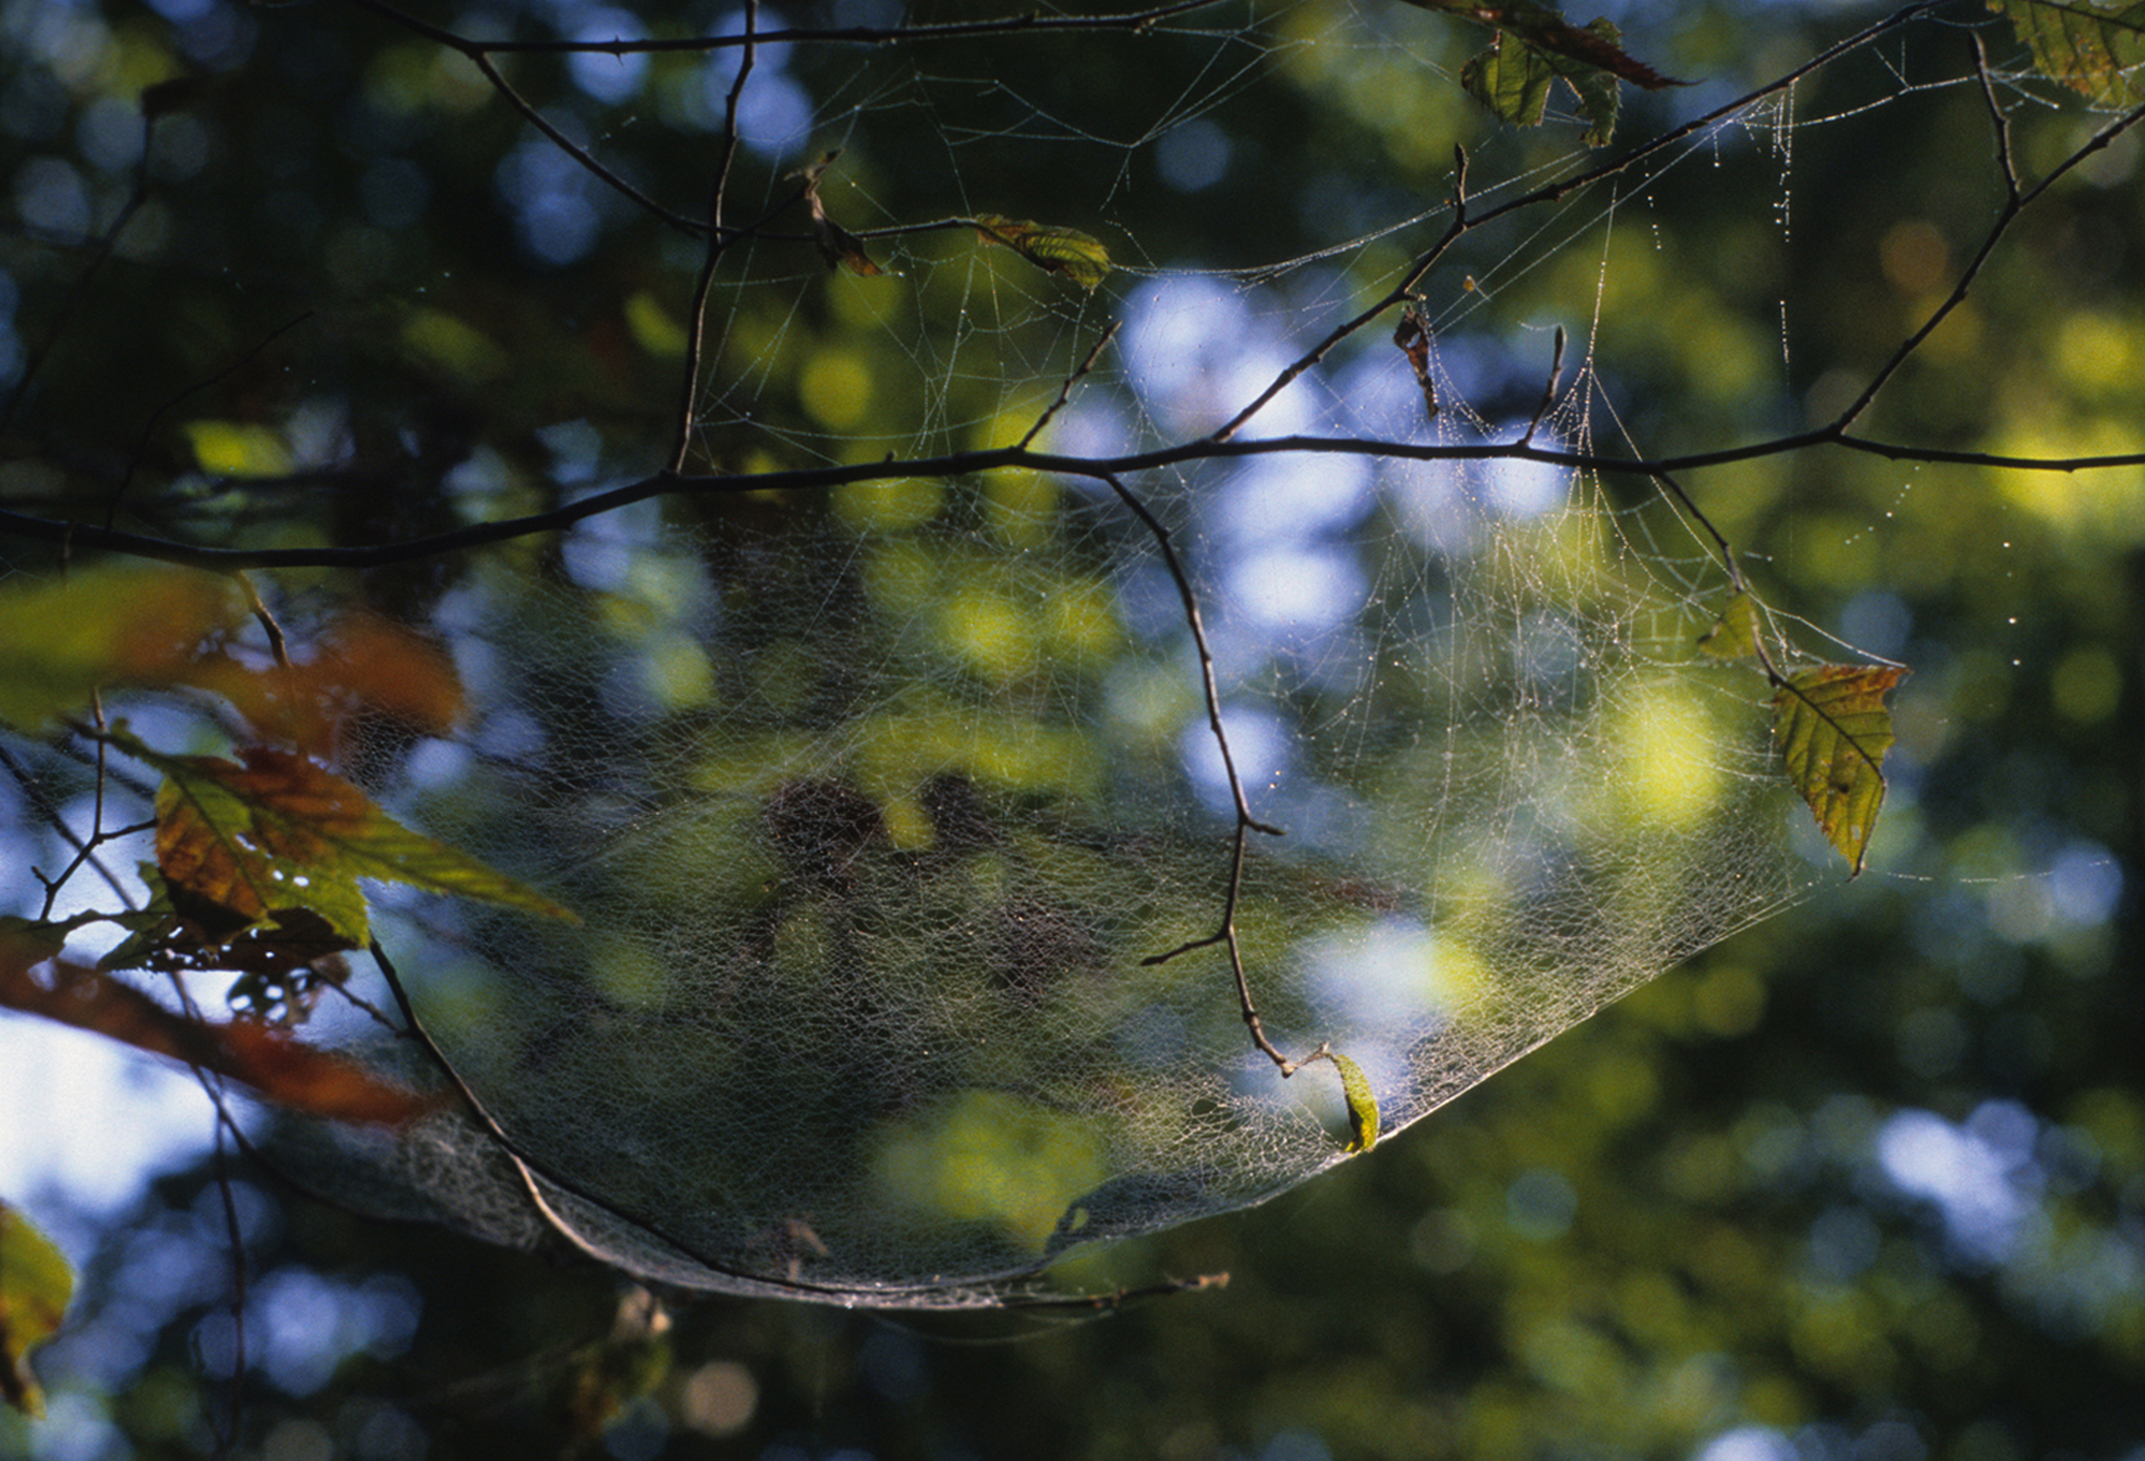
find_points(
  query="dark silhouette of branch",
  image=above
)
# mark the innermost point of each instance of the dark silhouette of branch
(955, 464)
(1025, 23)
(711, 259)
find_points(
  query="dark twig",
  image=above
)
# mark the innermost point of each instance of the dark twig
(1462, 223)
(1065, 390)
(1549, 390)
(1024, 23)
(696, 324)
(148, 431)
(662, 484)
(1246, 823)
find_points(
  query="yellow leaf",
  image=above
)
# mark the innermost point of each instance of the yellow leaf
(1834, 730)
(237, 449)
(1066, 251)
(1362, 1103)
(35, 1286)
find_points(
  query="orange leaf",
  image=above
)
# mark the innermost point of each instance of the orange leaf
(279, 832)
(255, 839)
(362, 666)
(302, 1077)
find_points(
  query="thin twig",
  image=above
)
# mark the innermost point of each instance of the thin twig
(1065, 389)
(277, 647)
(148, 431)
(574, 149)
(1549, 390)
(2015, 203)
(1025, 23)
(1246, 823)
(696, 315)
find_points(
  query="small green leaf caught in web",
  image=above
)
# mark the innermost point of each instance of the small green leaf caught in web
(1834, 729)
(1362, 1101)
(1514, 80)
(35, 1286)
(1734, 634)
(2096, 50)
(1066, 251)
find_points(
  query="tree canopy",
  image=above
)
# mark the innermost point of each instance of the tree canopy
(874, 654)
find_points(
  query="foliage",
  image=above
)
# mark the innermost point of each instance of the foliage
(880, 630)
(35, 1285)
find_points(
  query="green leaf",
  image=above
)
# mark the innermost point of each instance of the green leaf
(1066, 251)
(35, 1286)
(1362, 1103)
(1834, 730)
(279, 833)
(1513, 83)
(1735, 634)
(2098, 51)
(1514, 80)
(65, 638)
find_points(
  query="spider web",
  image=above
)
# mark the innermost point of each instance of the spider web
(885, 808)
(914, 822)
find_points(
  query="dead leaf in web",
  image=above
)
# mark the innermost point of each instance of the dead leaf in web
(1413, 338)
(1834, 729)
(1066, 251)
(837, 245)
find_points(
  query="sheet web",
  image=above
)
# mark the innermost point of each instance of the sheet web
(895, 814)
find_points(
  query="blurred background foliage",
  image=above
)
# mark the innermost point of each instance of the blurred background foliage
(1867, 1181)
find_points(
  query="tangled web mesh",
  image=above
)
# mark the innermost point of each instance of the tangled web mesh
(900, 831)
(875, 834)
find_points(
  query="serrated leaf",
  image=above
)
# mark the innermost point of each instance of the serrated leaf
(98, 627)
(1834, 729)
(1734, 634)
(2098, 51)
(36, 1284)
(1066, 251)
(1513, 80)
(278, 832)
